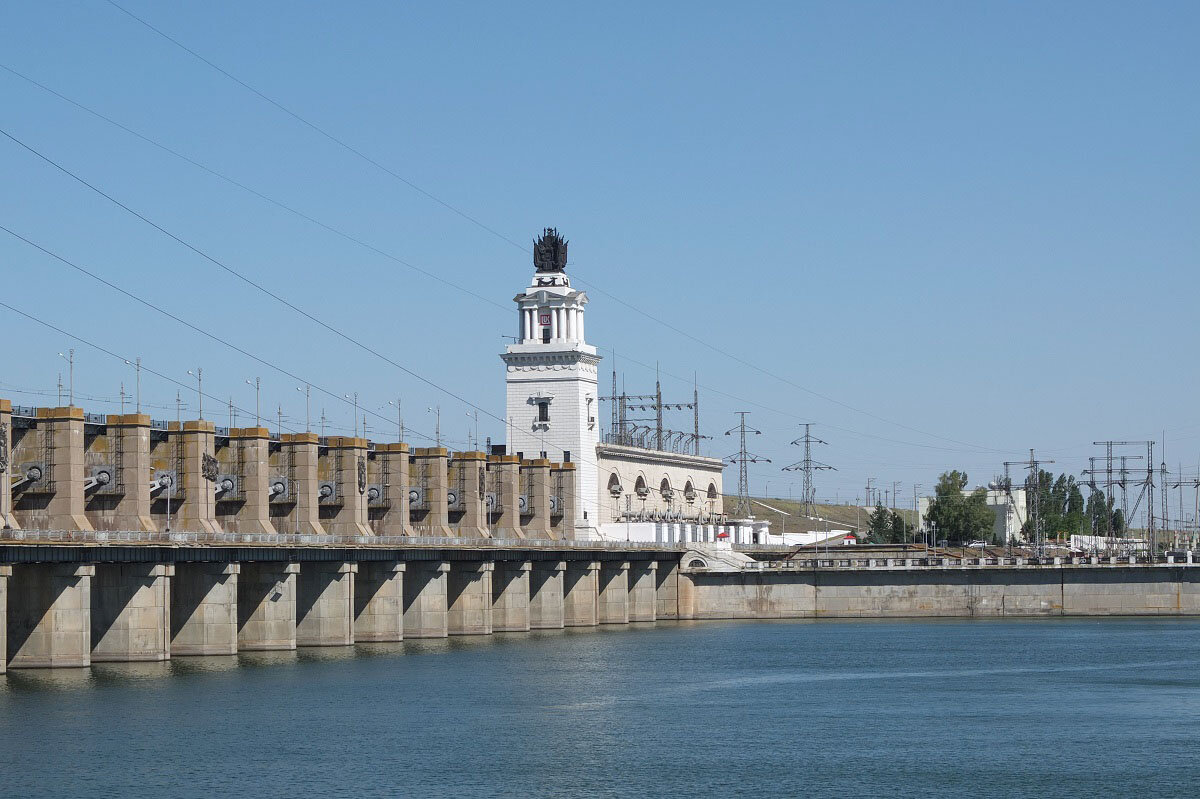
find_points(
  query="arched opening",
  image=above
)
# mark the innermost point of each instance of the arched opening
(689, 492)
(696, 563)
(664, 488)
(614, 485)
(640, 487)
(712, 490)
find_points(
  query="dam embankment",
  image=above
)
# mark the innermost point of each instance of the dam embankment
(71, 599)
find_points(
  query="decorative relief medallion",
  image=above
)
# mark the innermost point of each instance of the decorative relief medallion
(209, 467)
(362, 474)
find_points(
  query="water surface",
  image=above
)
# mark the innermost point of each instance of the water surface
(1065, 708)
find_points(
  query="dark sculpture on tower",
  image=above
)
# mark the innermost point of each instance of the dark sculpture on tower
(550, 252)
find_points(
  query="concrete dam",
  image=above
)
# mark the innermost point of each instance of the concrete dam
(127, 540)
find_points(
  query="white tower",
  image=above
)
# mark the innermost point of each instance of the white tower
(552, 378)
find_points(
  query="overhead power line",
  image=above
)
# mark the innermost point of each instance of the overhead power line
(473, 220)
(190, 387)
(255, 192)
(248, 281)
(195, 328)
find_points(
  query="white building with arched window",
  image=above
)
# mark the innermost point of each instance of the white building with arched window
(552, 412)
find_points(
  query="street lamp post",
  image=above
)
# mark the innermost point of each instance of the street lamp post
(438, 427)
(199, 375)
(257, 400)
(355, 398)
(307, 406)
(399, 418)
(137, 369)
(70, 359)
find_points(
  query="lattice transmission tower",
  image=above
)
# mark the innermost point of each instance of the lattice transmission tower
(808, 466)
(741, 458)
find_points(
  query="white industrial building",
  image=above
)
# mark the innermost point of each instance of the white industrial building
(623, 492)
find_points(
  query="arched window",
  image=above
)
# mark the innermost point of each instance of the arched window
(614, 485)
(640, 487)
(712, 490)
(689, 492)
(664, 488)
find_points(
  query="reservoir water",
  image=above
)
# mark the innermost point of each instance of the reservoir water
(1056, 707)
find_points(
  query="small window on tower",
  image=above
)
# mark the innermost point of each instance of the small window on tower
(545, 335)
(543, 411)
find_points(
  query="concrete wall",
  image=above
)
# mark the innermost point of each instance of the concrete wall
(49, 615)
(1017, 591)
(131, 612)
(267, 605)
(204, 609)
(379, 601)
(510, 596)
(546, 584)
(425, 599)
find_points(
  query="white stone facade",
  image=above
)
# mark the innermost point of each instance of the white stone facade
(648, 485)
(552, 398)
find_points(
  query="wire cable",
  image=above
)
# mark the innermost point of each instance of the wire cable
(424, 192)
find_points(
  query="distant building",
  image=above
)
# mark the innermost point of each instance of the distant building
(1008, 507)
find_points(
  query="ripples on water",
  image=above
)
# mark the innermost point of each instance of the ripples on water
(1064, 708)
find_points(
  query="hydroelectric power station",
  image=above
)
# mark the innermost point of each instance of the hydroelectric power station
(126, 538)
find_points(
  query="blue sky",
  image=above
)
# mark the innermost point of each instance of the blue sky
(944, 232)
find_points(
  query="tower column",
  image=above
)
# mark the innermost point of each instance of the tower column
(553, 324)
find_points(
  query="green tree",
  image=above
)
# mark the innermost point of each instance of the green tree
(1102, 517)
(880, 525)
(960, 517)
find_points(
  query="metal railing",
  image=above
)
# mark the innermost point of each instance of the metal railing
(293, 539)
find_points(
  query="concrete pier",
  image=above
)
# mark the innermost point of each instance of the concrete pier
(427, 492)
(511, 596)
(245, 506)
(52, 457)
(204, 609)
(468, 514)
(198, 509)
(581, 592)
(267, 605)
(119, 464)
(387, 490)
(535, 488)
(50, 616)
(294, 468)
(7, 520)
(425, 602)
(469, 598)
(666, 594)
(503, 496)
(342, 489)
(613, 600)
(131, 612)
(546, 597)
(325, 604)
(379, 601)
(643, 594)
(562, 505)
(5, 573)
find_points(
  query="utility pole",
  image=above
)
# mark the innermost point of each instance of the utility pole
(742, 458)
(808, 466)
(1032, 483)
